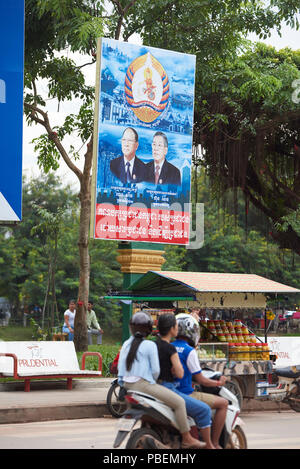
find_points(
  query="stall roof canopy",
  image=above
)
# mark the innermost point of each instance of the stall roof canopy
(188, 282)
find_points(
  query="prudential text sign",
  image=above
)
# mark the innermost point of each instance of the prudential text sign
(11, 108)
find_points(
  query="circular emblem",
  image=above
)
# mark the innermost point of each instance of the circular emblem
(146, 88)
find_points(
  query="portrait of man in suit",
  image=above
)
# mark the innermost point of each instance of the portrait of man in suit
(128, 167)
(160, 171)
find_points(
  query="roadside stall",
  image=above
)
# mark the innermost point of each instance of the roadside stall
(222, 303)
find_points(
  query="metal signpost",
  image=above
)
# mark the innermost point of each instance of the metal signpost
(11, 109)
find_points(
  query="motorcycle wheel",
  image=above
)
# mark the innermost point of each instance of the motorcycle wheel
(115, 407)
(136, 438)
(237, 439)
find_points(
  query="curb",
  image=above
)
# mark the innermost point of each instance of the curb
(99, 410)
(48, 413)
(34, 412)
(256, 405)
(56, 384)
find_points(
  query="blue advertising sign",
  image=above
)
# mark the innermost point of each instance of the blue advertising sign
(11, 108)
(143, 143)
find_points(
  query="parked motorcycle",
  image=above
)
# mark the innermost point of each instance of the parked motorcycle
(287, 387)
(157, 421)
(115, 399)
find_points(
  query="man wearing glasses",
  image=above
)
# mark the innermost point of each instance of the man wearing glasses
(128, 167)
(160, 171)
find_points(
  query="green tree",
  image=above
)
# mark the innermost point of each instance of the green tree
(248, 126)
(73, 26)
(245, 118)
(29, 258)
(23, 254)
(228, 248)
(50, 225)
(212, 30)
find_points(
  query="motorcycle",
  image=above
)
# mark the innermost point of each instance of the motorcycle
(157, 422)
(287, 386)
(115, 399)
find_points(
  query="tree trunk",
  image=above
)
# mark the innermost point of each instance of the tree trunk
(46, 297)
(80, 328)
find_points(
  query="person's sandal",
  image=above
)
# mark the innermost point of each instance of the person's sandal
(196, 445)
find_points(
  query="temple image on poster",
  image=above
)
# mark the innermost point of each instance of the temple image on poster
(145, 125)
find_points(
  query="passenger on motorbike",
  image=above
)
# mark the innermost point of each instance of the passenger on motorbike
(170, 368)
(138, 370)
(185, 343)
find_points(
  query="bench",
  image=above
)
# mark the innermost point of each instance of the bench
(44, 359)
(60, 336)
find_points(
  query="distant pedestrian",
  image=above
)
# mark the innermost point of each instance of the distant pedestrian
(93, 325)
(7, 317)
(36, 311)
(2, 317)
(69, 316)
(26, 315)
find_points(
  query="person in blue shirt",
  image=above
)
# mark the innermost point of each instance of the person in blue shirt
(138, 370)
(169, 363)
(185, 343)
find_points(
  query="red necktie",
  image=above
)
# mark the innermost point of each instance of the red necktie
(156, 174)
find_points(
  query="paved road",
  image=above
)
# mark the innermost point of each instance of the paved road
(272, 430)
(264, 430)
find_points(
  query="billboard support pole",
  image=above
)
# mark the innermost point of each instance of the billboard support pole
(136, 259)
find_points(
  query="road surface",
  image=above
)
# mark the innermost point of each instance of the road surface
(264, 430)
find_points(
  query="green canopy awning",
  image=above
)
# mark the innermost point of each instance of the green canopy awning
(187, 283)
(148, 298)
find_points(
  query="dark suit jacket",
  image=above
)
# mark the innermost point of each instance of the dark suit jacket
(117, 167)
(169, 174)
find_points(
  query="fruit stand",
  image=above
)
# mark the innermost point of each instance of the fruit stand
(222, 302)
(236, 353)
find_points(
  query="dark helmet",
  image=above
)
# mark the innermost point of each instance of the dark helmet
(141, 322)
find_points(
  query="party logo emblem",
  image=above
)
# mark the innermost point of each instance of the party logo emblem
(147, 88)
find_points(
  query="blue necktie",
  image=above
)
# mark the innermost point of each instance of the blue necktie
(128, 176)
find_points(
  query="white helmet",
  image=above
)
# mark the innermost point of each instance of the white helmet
(188, 327)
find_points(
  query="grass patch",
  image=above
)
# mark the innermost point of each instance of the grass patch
(14, 333)
(108, 353)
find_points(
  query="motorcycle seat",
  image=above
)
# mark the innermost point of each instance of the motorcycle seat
(148, 396)
(288, 372)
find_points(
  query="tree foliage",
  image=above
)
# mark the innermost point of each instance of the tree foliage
(214, 31)
(245, 118)
(239, 244)
(52, 210)
(249, 128)
(24, 255)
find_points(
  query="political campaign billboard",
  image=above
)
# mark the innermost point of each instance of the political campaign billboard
(142, 143)
(11, 109)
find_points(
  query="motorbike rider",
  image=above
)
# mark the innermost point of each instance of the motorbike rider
(138, 370)
(170, 368)
(185, 343)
